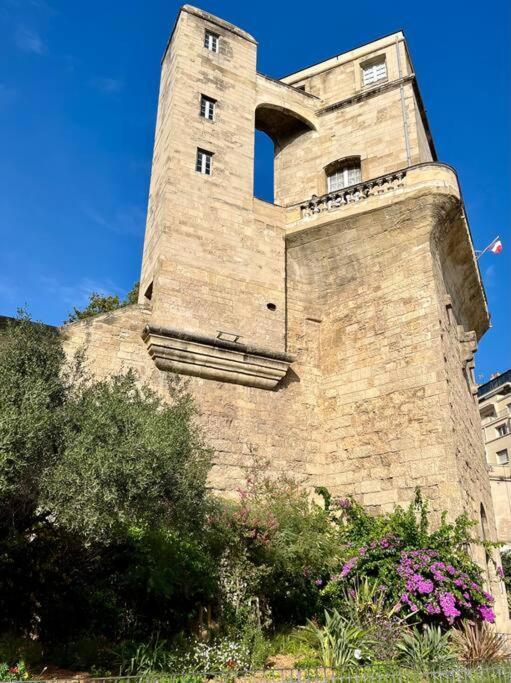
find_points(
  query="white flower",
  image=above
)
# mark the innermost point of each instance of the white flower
(358, 654)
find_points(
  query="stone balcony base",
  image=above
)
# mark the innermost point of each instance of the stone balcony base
(188, 353)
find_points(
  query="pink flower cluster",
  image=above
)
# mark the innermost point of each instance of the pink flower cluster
(427, 581)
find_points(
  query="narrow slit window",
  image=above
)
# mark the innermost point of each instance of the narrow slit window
(207, 107)
(204, 161)
(373, 72)
(211, 41)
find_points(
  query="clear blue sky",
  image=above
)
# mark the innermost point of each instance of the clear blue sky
(78, 95)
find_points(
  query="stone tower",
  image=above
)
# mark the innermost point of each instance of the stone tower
(331, 333)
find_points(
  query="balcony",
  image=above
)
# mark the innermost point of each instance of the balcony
(495, 417)
(373, 193)
(353, 194)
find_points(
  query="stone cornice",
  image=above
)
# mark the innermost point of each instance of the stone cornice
(189, 353)
(365, 94)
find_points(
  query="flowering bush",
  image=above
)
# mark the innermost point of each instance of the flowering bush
(18, 672)
(221, 655)
(427, 576)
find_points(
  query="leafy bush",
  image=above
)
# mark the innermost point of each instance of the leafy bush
(365, 603)
(283, 544)
(17, 672)
(339, 642)
(478, 643)
(220, 655)
(102, 500)
(103, 303)
(127, 459)
(429, 575)
(426, 650)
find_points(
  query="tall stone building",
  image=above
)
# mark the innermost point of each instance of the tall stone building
(331, 333)
(495, 409)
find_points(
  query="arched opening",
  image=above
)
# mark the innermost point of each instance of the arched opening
(264, 155)
(276, 127)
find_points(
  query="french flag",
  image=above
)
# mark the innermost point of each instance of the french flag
(496, 246)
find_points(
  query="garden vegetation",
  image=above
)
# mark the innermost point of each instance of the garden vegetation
(115, 558)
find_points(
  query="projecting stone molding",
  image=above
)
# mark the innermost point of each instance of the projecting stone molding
(211, 358)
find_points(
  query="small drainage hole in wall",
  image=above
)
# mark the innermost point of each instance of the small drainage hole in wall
(271, 307)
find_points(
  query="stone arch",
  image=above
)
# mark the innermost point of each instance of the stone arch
(281, 123)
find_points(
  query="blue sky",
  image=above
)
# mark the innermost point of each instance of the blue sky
(78, 95)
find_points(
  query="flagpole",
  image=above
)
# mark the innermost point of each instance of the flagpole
(479, 254)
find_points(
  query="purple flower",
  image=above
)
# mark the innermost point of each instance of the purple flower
(318, 582)
(487, 613)
(348, 567)
(362, 552)
(425, 586)
(448, 604)
(344, 503)
(500, 572)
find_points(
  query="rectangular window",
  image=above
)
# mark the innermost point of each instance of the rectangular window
(211, 40)
(502, 430)
(344, 177)
(207, 107)
(502, 457)
(204, 161)
(371, 73)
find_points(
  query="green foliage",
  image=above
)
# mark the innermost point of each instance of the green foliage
(103, 303)
(285, 544)
(339, 642)
(141, 659)
(103, 501)
(17, 672)
(426, 650)
(128, 460)
(32, 395)
(429, 574)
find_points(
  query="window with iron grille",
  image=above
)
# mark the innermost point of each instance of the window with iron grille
(374, 71)
(204, 161)
(344, 175)
(211, 40)
(207, 107)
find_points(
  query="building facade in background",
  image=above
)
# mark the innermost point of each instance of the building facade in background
(331, 334)
(495, 409)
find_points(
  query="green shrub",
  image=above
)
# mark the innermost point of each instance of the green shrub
(284, 544)
(429, 575)
(17, 672)
(426, 650)
(339, 642)
(103, 303)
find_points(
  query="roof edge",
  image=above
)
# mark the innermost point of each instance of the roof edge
(212, 19)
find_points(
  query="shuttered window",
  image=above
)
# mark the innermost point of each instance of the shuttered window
(344, 176)
(374, 72)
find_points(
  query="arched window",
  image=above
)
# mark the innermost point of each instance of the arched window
(343, 173)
